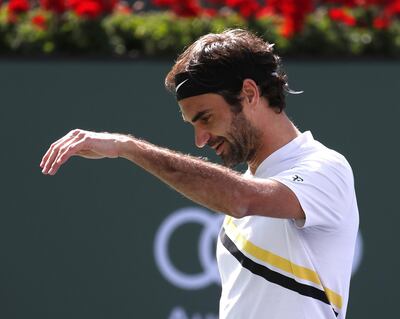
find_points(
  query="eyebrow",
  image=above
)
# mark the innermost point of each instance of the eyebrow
(199, 115)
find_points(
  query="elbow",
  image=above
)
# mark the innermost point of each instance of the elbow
(236, 213)
(240, 201)
(240, 198)
(238, 209)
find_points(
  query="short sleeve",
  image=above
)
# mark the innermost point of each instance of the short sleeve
(324, 188)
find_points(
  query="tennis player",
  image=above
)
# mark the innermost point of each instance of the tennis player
(286, 247)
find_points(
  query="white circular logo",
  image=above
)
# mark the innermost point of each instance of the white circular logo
(211, 225)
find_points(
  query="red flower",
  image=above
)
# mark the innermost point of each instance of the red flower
(57, 6)
(234, 3)
(183, 8)
(347, 3)
(265, 12)
(163, 3)
(39, 21)
(340, 15)
(72, 4)
(288, 28)
(219, 2)
(336, 14)
(381, 23)
(355, 3)
(210, 12)
(294, 13)
(190, 9)
(18, 6)
(393, 8)
(247, 8)
(108, 5)
(89, 8)
(123, 8)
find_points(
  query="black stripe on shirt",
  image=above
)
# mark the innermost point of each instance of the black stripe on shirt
(272, 276)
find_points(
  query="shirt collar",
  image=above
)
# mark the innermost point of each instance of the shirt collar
(283, 153)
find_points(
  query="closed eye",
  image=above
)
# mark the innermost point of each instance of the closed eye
(200, 115)
(205, 119)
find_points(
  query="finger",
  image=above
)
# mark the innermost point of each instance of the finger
(55, 144)
(54, 151)
(71, 149)
(50, 149)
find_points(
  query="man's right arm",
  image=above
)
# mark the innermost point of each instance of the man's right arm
(214, 186)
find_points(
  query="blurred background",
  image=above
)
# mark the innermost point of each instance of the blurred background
(104, 239)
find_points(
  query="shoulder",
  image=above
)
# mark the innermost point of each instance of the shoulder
(326, 161)
(323, 183)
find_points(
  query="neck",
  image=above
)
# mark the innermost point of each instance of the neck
(280, 131)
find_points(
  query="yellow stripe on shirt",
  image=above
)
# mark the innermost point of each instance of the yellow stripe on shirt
(277, 261)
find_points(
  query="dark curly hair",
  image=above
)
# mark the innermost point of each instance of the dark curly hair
(233, 54)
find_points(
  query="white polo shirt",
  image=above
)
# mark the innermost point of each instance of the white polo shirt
(284, 269)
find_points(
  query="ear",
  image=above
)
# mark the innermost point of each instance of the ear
(250, 92)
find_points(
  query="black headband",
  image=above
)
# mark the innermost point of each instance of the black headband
(186, 86)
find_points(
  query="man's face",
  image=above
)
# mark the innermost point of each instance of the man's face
(232, 136)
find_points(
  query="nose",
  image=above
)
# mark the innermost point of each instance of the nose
(201, 137)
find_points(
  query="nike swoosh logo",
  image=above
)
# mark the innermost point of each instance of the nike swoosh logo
(179, 85)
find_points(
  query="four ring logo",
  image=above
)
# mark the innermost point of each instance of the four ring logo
(211, 225)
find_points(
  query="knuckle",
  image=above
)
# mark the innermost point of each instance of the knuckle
(61, 158)
(75, 131)
(62, 150)
(66, 149)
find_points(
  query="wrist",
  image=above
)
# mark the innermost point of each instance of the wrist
(124, 145)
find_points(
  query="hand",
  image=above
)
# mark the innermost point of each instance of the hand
(80, 143)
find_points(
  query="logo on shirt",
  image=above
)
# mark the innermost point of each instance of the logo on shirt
(297, 178)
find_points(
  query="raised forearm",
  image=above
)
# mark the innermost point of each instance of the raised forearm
(210, 185)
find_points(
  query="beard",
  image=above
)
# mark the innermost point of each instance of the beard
(241, 142)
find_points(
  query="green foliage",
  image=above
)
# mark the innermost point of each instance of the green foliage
(162, 34)
(81, 36)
